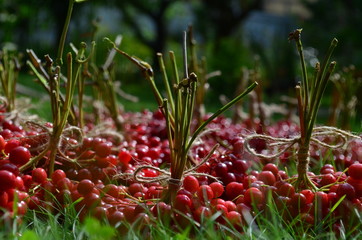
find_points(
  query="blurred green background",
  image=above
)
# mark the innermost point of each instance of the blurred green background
(230, 34)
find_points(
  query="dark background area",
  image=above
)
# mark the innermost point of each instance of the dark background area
(230, 34)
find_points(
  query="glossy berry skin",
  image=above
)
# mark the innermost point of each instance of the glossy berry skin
(2, 143)
(58, 175)
(217, 188)
(19, 155)
(233, 190)
(10, 145)
(103, 149)
(355, 171)
(182, 203)
(253, 197)
(267, 177)
(191, 184)
(205, 193)
(85, 186)
(7, 180)
(346, 189)
(39, 175)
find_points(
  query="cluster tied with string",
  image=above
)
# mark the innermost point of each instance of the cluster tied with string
(142, 170)
(178, 110)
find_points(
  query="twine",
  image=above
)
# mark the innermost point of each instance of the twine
(165, 175)
(105, 130)
(63, 144)
(20, 113)
(323, 131)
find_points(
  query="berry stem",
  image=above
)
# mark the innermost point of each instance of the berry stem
(309, 98)
(64, 33)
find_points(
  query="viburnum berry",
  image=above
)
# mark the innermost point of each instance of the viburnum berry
(182, 203)
(2, 143)
(233, 190)
(7, 180)
(91, 200)
(267, 177)
(39, 175)
(327, 179)
(58, 175)
(285, 189)
(271, 167)
(309, 195)
(355, 171)
(191, 184)
(10, 167)
(298, 200)
(202, 213)
(116, 218)
(11, 144)
(124, 156)
(205, 193)
(85, 186)
(253, 196)
(19, 155)
(346, 189)
(103, 149)
(234, 217)
(217, 188)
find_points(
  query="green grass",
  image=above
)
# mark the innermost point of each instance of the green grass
(268, 224)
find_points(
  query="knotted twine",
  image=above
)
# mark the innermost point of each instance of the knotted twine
(21, 111)
(165, 175)
(323, 131)
(63, 143)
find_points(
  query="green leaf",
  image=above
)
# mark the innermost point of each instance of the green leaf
(29, 235)
(96, 231)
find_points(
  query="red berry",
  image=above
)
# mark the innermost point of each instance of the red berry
(309, 195)
(85, 186)
(285, 189)
(202, 213)
(91, 200)
(298, 201)
(2, 143)
(271, 167)
(321, 200)
(39, 175)
(124, 156)
(267, 177)
(103, 149)
(58, 175)
(11, 144)
(7, 180)
(116, 218)
(217, 188)
(182, 203)
(346, 189)
(205, 193)
(233, 190)
(10, 167)
(191, 184)
(221, 169)
(253, 196)
(234, 217)
(327, 179)
(355, 171)
(4, 198)
(19, 155)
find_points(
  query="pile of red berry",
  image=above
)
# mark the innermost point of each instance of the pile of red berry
(231, 185)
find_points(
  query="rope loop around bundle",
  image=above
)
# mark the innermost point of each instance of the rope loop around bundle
(286, 143)
(47, 133)
(165, 175)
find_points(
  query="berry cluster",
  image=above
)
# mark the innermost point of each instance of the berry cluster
(231, 185)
